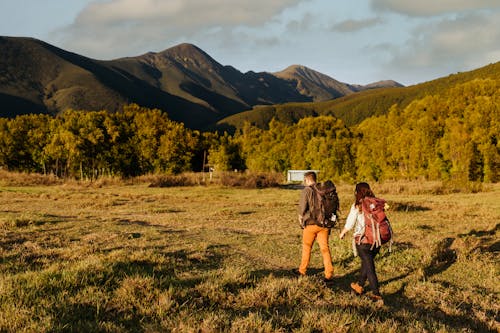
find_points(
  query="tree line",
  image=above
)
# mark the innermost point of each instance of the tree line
(449, 136)
(84, 144)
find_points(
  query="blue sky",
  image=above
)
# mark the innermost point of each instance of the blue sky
(355, 41)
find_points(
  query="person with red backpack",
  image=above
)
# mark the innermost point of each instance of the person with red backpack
(318, 205)
(371, 230)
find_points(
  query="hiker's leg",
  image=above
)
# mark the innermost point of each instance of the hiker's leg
(323, 235)
(308, 237)
(364, 255)
(371, 273)
(368, 266)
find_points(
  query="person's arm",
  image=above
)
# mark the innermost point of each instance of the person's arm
(303, 206)
(350, 221)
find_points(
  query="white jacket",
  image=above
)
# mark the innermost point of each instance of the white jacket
(355, 219)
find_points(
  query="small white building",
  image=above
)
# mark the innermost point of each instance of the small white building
(297, 175)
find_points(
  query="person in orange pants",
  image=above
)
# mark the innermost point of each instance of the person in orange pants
(311, 230)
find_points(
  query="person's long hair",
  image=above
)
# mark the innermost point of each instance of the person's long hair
(362, 191)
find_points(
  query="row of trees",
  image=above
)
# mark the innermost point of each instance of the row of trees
(450, 136)
(89, 144)
(453, 135)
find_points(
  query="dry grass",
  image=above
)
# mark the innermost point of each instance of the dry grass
(120, 258)
(232, 179)
(27, 179)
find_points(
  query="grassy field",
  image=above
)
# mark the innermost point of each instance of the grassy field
(133, 258)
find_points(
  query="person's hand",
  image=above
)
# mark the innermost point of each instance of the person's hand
(301, 222)
(342, 234)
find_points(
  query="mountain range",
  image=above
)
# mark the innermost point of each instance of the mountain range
(184, 81)
(354, 108)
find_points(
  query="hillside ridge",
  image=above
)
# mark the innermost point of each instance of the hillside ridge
(183, 80)
(354, 108)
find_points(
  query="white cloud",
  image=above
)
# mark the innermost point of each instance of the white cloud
(192, 13)
(433, 7)
(450, 45)
(118, 27)
(301, 25)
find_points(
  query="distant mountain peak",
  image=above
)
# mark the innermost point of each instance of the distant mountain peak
(383, 84)
(313, 83)
(297, 69)
(186, 50)
(183, 79)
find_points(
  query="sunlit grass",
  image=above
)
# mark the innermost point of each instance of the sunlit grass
(117, 258)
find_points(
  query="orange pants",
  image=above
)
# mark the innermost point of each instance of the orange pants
(311, 233)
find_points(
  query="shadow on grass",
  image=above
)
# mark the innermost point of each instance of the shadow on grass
(425, 227)
(247, 212)
(161, 228)
(482, 233)
(442, 259)
(134, 222)
(408, 207)
(292, 186)
(487, 240)
(398, 303)
(11, 239)
(495, 247)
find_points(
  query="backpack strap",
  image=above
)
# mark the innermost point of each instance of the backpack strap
(375, 233)
(316, 198)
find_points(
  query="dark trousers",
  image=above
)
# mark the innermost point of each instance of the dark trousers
(368, 266)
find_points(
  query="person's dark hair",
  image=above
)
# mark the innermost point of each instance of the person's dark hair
(362, 191)
(311, 175)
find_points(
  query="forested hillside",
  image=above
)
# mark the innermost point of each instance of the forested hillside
(354, 108)
(452, 135)
(448, 136)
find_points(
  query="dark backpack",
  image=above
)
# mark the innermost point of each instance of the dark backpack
(378, 229)
(326, 204)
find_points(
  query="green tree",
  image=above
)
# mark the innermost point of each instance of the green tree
(63, 151)
(177, 147)
(226, 154)
(122, 156)
(150, 126)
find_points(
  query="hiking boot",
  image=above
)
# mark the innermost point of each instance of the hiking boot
(357, 288)
(297, 273)
(328, 280)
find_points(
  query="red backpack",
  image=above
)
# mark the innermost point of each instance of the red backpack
(378, 230)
